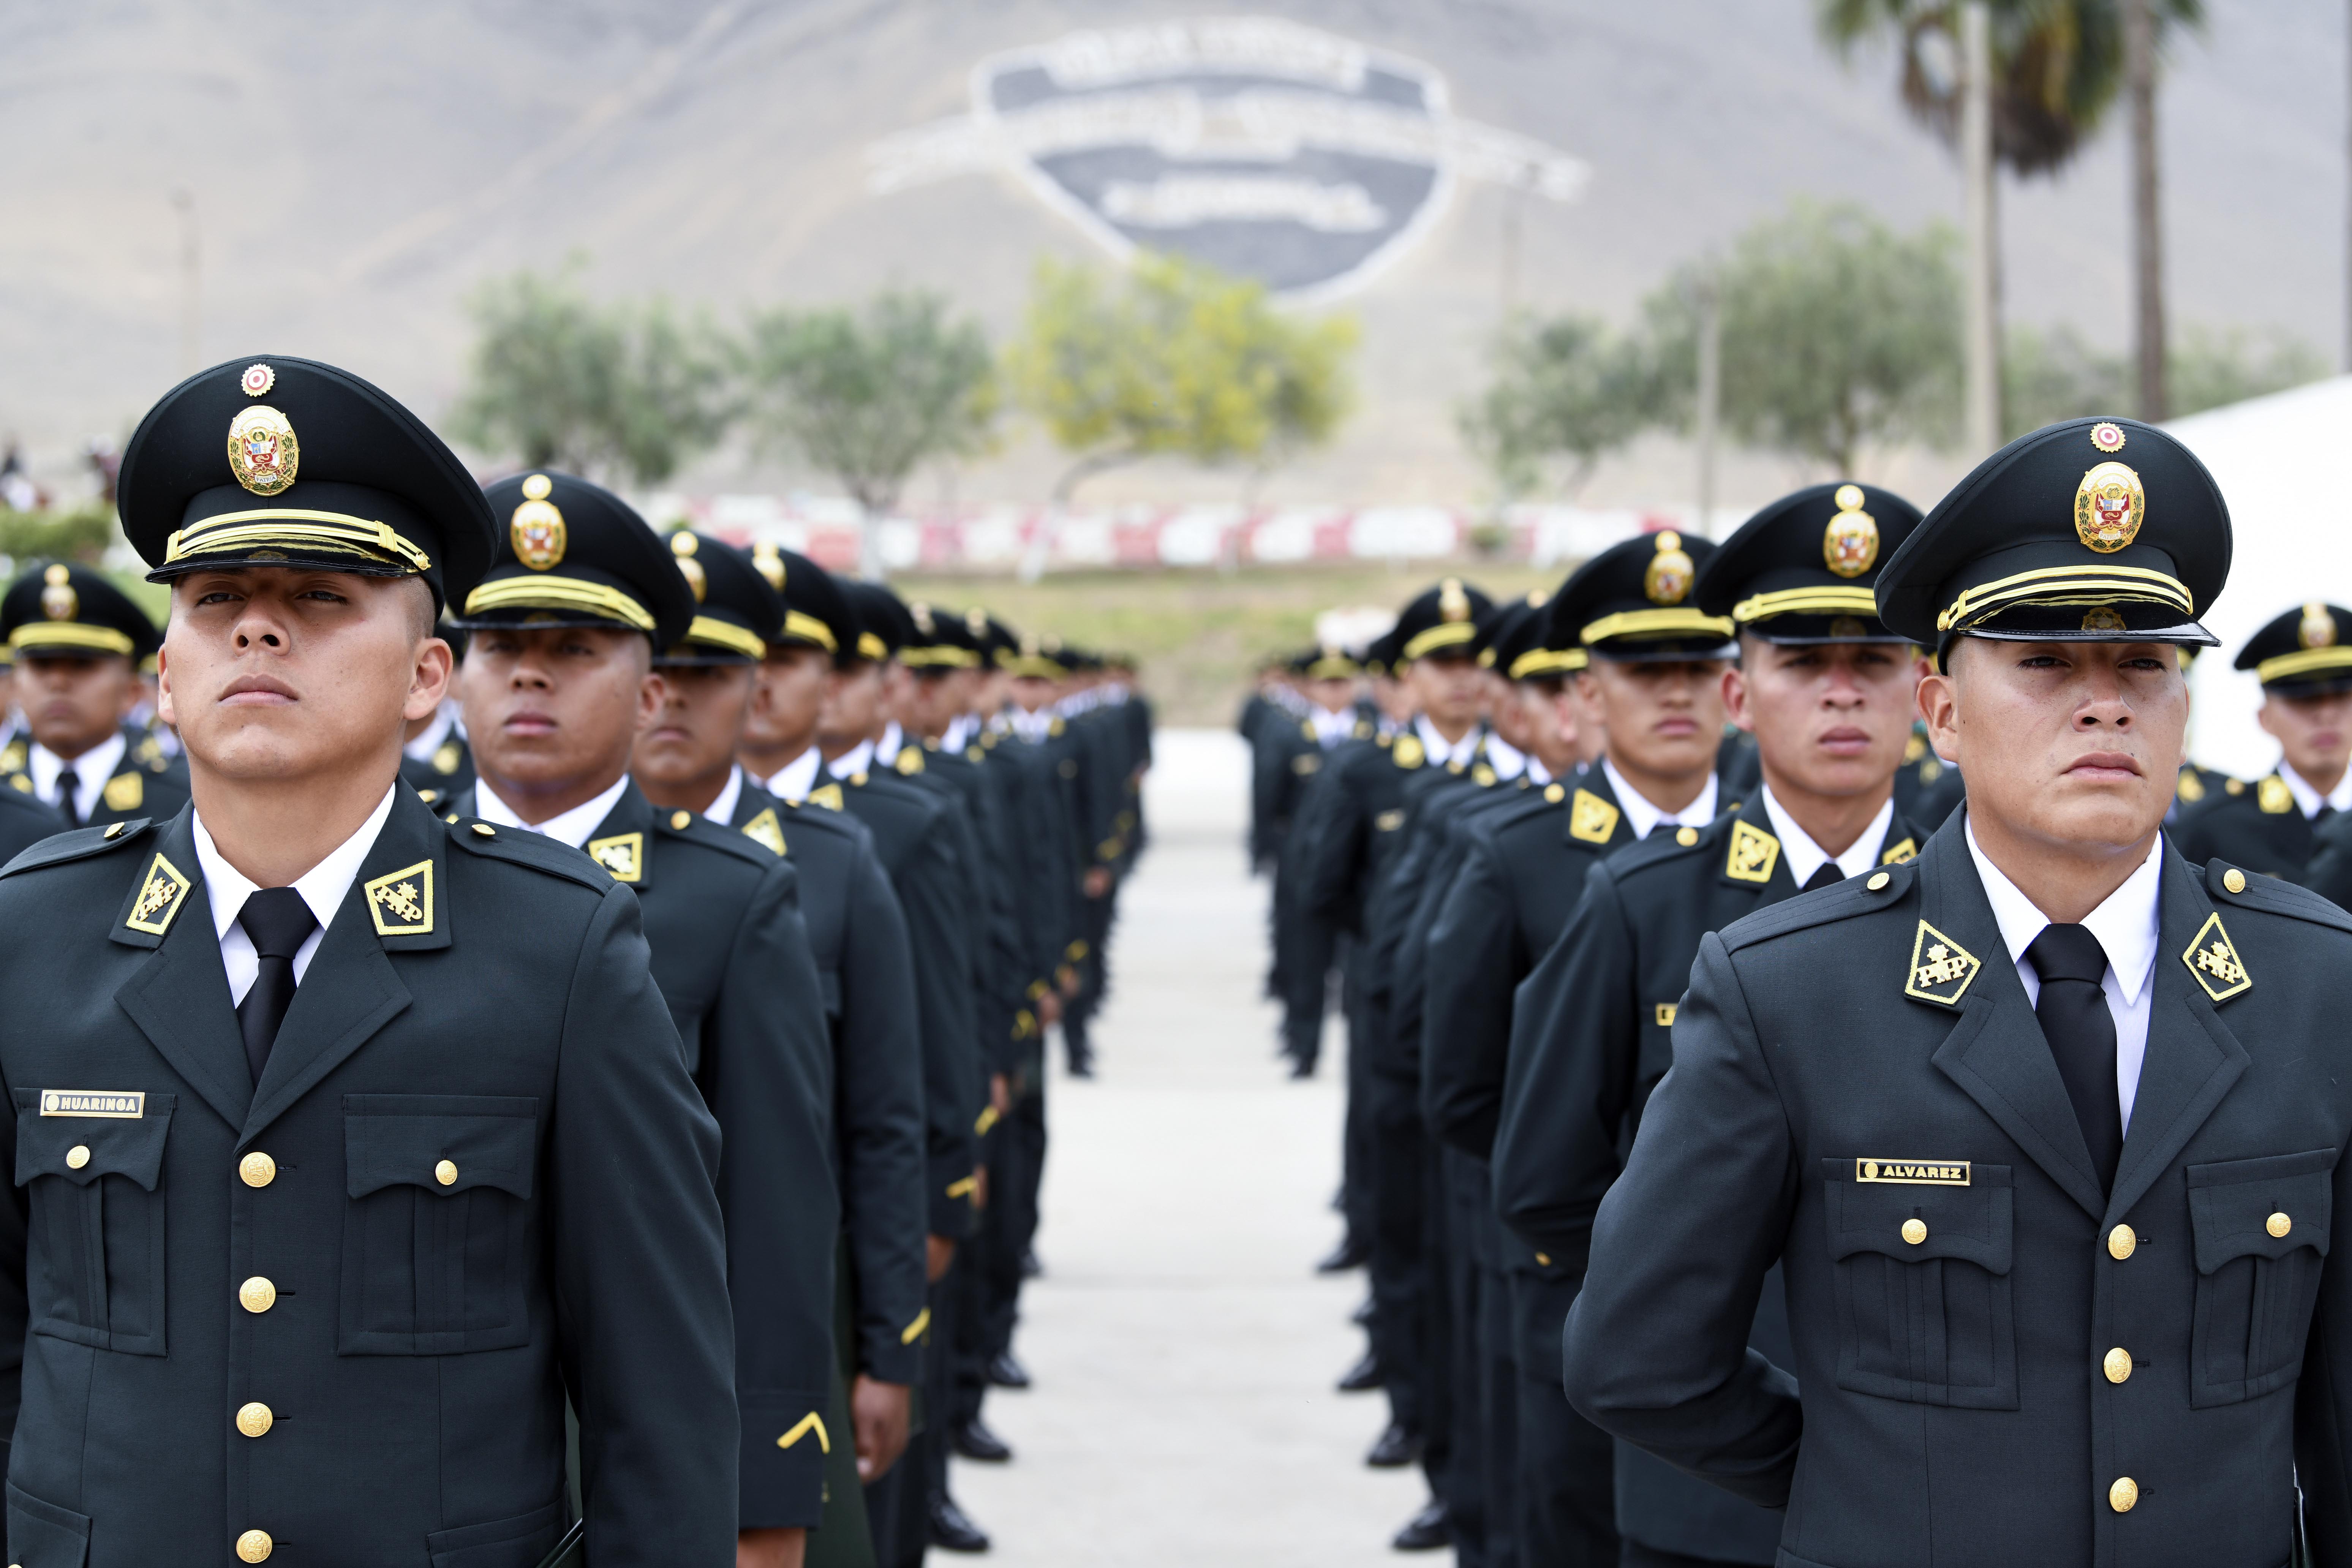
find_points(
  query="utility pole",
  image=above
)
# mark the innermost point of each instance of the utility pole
(192, 324)
(1983, 359)
(1710, 398)
(2148, 231)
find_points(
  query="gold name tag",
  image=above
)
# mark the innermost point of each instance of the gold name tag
(118, 1105)
(1928, 1173)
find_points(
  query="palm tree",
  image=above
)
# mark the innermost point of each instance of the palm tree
(2057, 68)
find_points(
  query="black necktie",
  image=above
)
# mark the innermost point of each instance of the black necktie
(1829, 875)
(280, 922)
(2082, 1036)
(70, 796)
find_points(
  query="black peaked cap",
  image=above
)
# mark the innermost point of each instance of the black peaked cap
(61, 609)
(942, 639)
(734, 608)
(2303, 653)
(575, 554)
(1805, 568)
(817, 614)
(883, 624)
(2091, 530)
(1633, 603)
(1441, 619)
(278, 461)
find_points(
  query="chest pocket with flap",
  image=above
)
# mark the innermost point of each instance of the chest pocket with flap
(2261, 1232)
(1928, 1320)
(95, 1272)
(438, 1257)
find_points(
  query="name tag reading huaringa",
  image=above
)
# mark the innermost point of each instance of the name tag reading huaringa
(113, 1104)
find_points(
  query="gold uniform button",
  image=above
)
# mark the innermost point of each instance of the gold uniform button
(486, 830)
(1879, 881)
(255, 1546)
(2234, 880)
(446, 1173)
(1915, 1231)
(255, 1419)
(2278, 1224)
(1685, 837)
(78, 1157)
(2118, 1365)
(678, 819)
(256, 1295)
(2123, 1495)
(1555, 794)
(2122, 1242)
(256, 1170)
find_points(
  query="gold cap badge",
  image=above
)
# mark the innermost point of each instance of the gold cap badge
(683, 545)
(2317, 628)
(2105, 619)
(257, 380)
(1453, 604)
(1668, 579)
(2107, 436)
(58, 600)
(769, 562)
(262, 451)
(536, 530)
(2109, 507)
(1850, 543)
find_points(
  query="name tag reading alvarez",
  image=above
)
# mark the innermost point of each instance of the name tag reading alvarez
(115, 1105)
(1926, 1173)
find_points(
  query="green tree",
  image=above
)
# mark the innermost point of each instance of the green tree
(76, 534)
(2057, 375)
(1563, 390)
(1174, 359)
(606, 391)
(870, 395)
(1837, 333)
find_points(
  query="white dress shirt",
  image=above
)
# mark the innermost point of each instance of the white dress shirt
(1646, 817)
(1331, 726)
(1805, 856)
(722, 810)
(323, 888)
(960, 731)
(2126, 927)
(893, 742)
(1507, 761)
(2307, 797)
(1442, 750)
(1536, 772)
(91, 769)
(1029, 726)
(571, 827)
(791, 783)
(853, 762)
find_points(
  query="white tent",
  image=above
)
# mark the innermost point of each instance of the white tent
(2294, 544)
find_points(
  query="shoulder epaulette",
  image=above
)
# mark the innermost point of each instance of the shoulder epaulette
(1660, 847)
(2271, 895)
(698, 829)
(524, 848)
(1854, 896)
(79, 844)
(1513, 811)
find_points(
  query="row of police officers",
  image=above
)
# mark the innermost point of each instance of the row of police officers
(1828, 1084)
(538, 1047)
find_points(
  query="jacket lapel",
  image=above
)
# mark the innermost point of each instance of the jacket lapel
(1997, 1054)
(1752, 859)
(349, 991)
(623, 843)
(2193, 1058)
(1587, 818)
(179, 998)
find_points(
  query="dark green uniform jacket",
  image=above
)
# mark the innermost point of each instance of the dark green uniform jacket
(475, 1175)
(859, 939)
(24, 821)
(1996, 1360)
(2260, 827)
(144, 783)
(1594, 1034)
(731, 954)
(442, 776)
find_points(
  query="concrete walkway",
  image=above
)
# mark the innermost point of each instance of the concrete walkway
(1184, 1351)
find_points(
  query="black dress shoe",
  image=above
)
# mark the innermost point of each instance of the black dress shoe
(974, 1440)
(1029, 1267)
(1350, 1254)
(1397, 1447)
(1427, 1532)
(1006, 1373)
(1301, 1069)
(1362, 1316)
(951, 1530)
(1362, 1377)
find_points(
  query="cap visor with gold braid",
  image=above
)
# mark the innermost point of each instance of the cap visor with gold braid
(576, 554)
(1803, 569)
(1632, 603)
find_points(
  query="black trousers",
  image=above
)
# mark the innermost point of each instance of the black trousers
(1567, 1494)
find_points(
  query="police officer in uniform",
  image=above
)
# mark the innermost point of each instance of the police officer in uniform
(1827, 691)
(348, 1138)
(2044, 1128)
(557, 685)
(2306, 668)
(79, 641)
